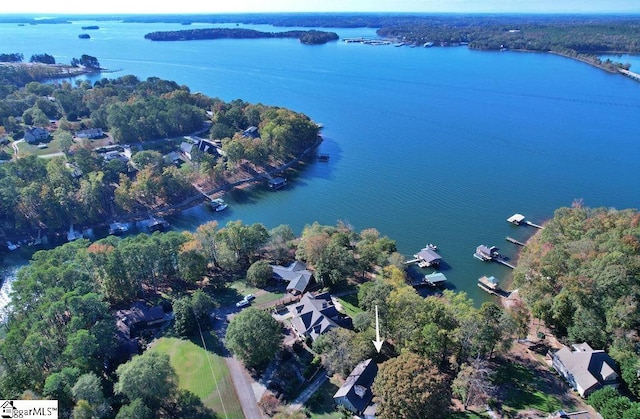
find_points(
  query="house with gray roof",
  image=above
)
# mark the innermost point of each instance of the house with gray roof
(35, 134)
(314, 315)
(585, 369)
(355, 394)
(296, 274)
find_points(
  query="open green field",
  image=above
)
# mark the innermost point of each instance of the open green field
(199, 370)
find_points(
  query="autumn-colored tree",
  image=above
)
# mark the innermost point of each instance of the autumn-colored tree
(409, 386)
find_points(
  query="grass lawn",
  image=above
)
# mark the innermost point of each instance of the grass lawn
(25, 149)
(321, 405)
(350, 304)
(522, 390)
(234, 292)
(196, 369)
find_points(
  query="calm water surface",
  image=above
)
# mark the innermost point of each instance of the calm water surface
(427, 144)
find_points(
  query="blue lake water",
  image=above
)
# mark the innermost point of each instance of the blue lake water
(426, 144)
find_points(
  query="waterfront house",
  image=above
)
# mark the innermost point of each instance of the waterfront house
(314, 315)
(296, 274)
(90, 134)
(251, 132)
(585, 369)
(355, 394)
(36, 134)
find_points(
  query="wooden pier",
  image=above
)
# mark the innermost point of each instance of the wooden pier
(514, 241)
(490, 285)
(529, 223)
(502, 260)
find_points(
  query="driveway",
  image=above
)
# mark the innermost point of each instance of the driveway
(248, 391)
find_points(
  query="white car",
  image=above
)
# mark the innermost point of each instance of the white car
(243, 303)
(249, 297)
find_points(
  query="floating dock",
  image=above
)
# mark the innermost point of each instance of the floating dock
(514, 241)
(487, 254)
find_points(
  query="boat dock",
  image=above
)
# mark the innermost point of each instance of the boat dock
(518, 219)
(503, 261)
(487, 254)
(514, 241)
(490, 285)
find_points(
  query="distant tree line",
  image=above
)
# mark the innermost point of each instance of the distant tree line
(306, 37)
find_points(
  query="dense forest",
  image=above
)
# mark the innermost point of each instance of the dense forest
(306, 37)
(581, 276)
(82, 187)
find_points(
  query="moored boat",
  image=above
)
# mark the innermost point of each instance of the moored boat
(218, 204)
(118, 228)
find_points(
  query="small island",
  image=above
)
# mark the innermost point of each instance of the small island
(84, 36)
(90, 27)
(310, 37)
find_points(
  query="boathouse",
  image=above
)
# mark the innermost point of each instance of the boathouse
(489, 284)
(486, 253)
(428, 257)
(435, 279)
(516, 219)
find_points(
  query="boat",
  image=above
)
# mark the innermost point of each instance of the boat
(84, 36)
(157, 224)
(218, 204)
(90, 27)
(323, 157)
(431, 246)
(118, 228)
(277, 182)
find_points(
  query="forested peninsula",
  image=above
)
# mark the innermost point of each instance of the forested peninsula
(306, 37)
(134, 165)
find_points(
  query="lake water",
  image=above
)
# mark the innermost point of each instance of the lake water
(433, 145)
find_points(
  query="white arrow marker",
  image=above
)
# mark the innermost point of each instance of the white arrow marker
(378, 342)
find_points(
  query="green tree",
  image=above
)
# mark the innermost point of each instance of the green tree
(254, 337)
(135, 409)
(64, 140)
(259, 273)
(185, 320)
(343, 349)
(88, 388)
(148, 377)
(411, 387)
(202, 305)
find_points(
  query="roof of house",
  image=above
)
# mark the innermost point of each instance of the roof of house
(587, 365)
(428, 255)
(186, 147)
(296, 273)
(314, 314)
(357, 387)
(140, 313)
